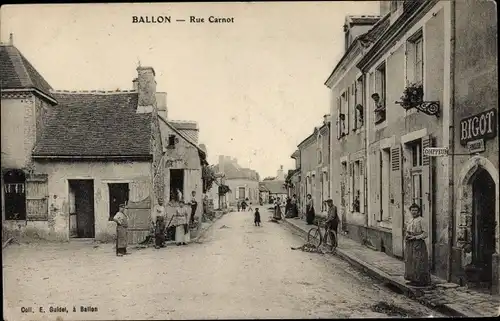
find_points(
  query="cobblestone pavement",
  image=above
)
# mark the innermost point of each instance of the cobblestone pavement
(237, 271)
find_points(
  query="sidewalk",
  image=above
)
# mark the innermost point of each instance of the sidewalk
(206, 225)
(448, 297)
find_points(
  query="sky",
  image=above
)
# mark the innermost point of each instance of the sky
(255, 86)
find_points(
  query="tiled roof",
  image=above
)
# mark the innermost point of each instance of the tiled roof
(376, 31)
(188, 128)
(262, 187)
(275, 186)
(95, 124)
(17, 72)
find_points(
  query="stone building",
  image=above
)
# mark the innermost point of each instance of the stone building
(314, 154)
(81, 154)
(69, 159)
(473, 167)
(242, 182)
(348, 137)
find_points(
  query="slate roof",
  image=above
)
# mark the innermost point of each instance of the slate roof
(95, 124)
(18, 73)
(274, 187)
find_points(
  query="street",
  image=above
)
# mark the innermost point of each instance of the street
(237, 270)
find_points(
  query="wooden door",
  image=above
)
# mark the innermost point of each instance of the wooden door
(84, 205)
(37, 195)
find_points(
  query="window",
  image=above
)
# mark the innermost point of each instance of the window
(241, 193)
(15, 195)
(416, 183)
(118, 194)
(358, 103)
(415, 59)
(379, 96)
(416, 153)
(384, 180)
(171, 141)
(320, 156)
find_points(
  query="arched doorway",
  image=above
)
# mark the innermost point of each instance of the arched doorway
(14, 194)
(482, 227)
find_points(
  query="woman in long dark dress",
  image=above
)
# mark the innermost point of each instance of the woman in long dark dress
(160, 232)
(417, 270)
(277, 209)
(310, 214)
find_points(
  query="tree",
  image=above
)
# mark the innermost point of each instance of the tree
(208, 177)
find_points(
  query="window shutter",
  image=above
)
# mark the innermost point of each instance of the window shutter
(351, 187)
(396, 158)
(426, 142)
(362, 186)
(339, 124)
(348, 109)
(37, 196)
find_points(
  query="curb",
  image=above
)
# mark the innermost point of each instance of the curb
(204, 230)
(414, 294)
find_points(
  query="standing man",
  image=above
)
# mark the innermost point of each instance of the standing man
(159, 214)
(194, 206)
(332, 218)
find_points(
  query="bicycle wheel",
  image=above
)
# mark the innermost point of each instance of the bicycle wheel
(314, 237)
(332, 241)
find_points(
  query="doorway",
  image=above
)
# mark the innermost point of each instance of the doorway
(176, 185)
(483, 227)
(118, 195)
(82, 220)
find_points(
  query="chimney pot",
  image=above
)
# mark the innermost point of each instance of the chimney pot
(11, 39)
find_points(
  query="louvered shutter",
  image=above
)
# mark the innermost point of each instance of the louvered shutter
(351, 189)
(348, 110)
(362, 186)
(427, 194)
(339, 122)
(37, 196)
(396, 210)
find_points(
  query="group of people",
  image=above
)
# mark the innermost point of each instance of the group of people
(243, 205)
(182, 218)
(417, 271)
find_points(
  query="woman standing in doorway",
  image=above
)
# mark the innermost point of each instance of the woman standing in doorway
(121, 220)
(416, 257)
(182, 236)
(310, 214)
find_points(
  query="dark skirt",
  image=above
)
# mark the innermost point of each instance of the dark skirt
(194, 206)
(277, 213)
(417, 262)
(160, 231)
(310, 216)
(121, 239)
(257, 218)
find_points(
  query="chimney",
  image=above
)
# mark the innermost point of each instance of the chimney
(326, 119)
(135, 84)
(280, 175)
(11, 39)
(161, 104)
(146, 89)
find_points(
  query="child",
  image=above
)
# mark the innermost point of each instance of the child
(257, 217)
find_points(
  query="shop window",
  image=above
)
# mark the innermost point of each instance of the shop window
(15, 195)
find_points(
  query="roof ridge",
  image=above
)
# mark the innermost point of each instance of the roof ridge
(94, 92)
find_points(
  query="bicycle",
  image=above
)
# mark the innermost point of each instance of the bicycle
(315, 237)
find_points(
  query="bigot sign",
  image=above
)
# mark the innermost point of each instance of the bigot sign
(479, 126)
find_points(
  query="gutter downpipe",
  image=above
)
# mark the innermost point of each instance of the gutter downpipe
(451, 185)
(364, 99)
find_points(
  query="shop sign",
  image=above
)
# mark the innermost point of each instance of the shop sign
(479, 126)
(476, 146)
(436, 151)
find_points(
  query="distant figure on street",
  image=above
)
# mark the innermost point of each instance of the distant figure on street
(182, 236)
(295, 209)
(238, 205)
(121, 220)
(194, 206)
(256, 219)
(249, 204)
(277, 209)
(417, 270)
(310, 214)
(243, 205)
